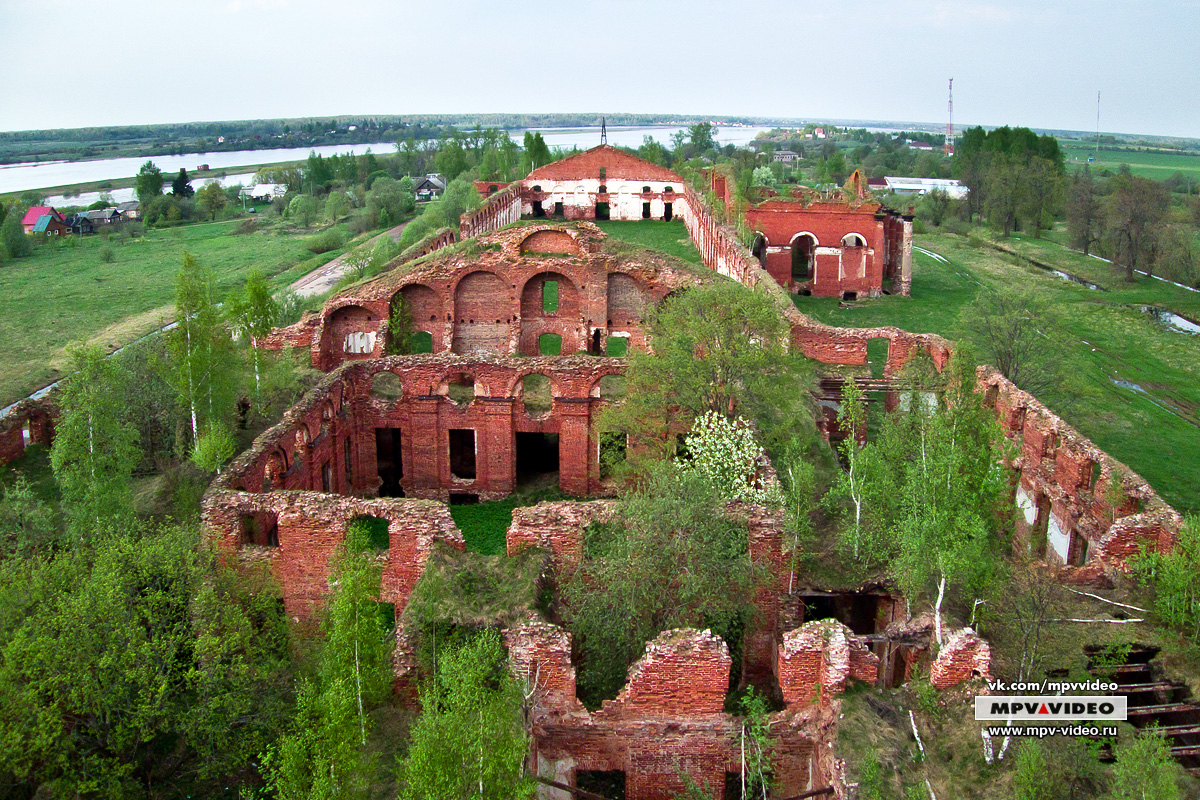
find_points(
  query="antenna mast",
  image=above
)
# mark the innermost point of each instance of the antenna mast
(603, 131)
(949, 147)
(1097, 125)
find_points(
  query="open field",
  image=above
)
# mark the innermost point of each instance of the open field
(1147, 164)
(63, 293)
(666, 237)
(1155, 431)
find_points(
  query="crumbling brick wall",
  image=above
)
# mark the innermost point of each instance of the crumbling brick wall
(500, 208)
(1086, 506)
(816, 660)
(963, 656)
(667, 722)
(485, 296)
(25, 423)
(310, 526)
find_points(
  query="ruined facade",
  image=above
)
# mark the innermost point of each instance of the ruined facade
(517, 291)
(836, 245)
(393, 438)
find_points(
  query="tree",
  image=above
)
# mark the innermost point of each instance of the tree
(1020, 334)
(388, 195)
(1145, 770)
(95, 446)
(1084, 213)
(536, 149)
(726, 455)
(27, 525)
(716, 347)
(148, 183)
(212, 198)
(470, 740)
(303, 207)
(200, 349)
(1041, 193)
(12, 235)
(703, 136)
(954, 497)
(252, 313)
(182, 185)
(1031, 778)
(670, 525)
(140, 667)
(1175, 578)
(336, 206)
(325, 754)
(1135, 209)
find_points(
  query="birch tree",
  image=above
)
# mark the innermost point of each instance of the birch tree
(326, 755)
(252, 311)
(95, 446)
(470, 740)
(201, 350)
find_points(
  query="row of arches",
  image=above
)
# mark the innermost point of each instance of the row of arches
(803, 246)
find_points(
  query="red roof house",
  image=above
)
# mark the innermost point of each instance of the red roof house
(30, 220)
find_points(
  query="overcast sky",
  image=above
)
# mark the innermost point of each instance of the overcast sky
(1017, 62)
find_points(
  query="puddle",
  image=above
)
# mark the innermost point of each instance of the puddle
(1171, 319)
(1133, 387)
(1066, 276)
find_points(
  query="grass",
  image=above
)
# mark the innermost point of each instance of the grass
(1156, 432)
(63, 293)
(666, 237)
(485, 525)
(1148, 164)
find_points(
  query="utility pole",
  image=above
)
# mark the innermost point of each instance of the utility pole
(948, 149)
(1097, 125)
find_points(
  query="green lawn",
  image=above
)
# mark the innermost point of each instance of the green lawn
(63, 294)
(666, 237)
(1156, 432)
(1147, 164)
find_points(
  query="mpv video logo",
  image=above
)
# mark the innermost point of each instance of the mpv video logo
(1049, 709)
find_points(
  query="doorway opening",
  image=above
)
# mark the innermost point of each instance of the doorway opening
(462, 453)
(537, 459)
(390, 464)
(601, 210)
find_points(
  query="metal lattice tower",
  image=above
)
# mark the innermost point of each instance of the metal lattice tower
(949, 147)
(603, 131)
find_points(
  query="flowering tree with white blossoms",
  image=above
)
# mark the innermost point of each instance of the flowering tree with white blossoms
(727, 454)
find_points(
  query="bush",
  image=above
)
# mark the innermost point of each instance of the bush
(106, 254)
(325, 241)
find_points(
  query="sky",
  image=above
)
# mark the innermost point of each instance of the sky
(1037, 64)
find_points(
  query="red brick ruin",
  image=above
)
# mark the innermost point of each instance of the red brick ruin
(397, 437)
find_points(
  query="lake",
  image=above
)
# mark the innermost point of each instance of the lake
(20, 177)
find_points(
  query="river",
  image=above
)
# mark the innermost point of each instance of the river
(21, 177)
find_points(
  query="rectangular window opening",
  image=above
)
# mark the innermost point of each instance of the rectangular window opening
(388, 461)
(645, 211)
(608, 783)
(261, 530)
(462, 453)
(550, 297)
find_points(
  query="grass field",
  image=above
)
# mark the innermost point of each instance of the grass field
(64, 294)
(666, 237)
(1147, 164)
(1155, 431)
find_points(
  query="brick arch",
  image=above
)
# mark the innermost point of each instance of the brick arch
(550, 241)
(594, 388)
(556, 385)
(482, 314)
(816, 242)
(350, 332)
(424, 304)
(566, 321)
(861, 240)
(627, 300)
(448, 376)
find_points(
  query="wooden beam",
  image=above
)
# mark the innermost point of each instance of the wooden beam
(581, 793)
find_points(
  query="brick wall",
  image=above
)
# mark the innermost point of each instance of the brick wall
(963, 656)
(310, 527)
(816, 659)
(1090, 508)
(27, 422)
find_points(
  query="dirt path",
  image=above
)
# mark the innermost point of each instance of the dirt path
(322, 280)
